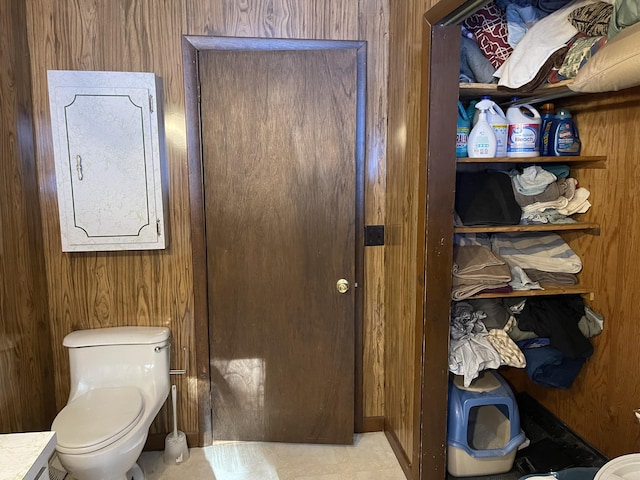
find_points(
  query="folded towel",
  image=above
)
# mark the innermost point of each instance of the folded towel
(544, 251)
(473, 258)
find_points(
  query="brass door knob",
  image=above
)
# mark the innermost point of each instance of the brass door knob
(342, 286)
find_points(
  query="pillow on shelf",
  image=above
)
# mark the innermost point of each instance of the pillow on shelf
(614, 67)
(580, 52)
(592, 20)
(625, 14)
(544, 39)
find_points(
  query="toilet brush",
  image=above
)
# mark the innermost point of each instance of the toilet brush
(175, 445)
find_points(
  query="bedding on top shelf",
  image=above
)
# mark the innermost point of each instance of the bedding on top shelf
(523, 44)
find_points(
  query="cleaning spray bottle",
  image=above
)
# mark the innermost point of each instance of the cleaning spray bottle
(482, 139)
(498, 121)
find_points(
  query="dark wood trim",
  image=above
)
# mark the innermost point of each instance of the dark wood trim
(449, 12)
(191, 46)
(399, 452)
(361, 102)
(439, 96)
(198, 240)
(199, 42)
(372, 424)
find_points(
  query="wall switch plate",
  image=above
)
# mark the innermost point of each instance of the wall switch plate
(373, 235)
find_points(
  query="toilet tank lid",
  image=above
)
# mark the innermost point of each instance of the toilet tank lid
(116, 336)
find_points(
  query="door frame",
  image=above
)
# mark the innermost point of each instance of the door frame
(191, 46)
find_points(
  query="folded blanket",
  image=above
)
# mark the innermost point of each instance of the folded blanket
(472, 258)
(553, 278)
(460, 292)
(544, 251)
(477, 268)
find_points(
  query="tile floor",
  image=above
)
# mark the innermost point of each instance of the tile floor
(369, 458)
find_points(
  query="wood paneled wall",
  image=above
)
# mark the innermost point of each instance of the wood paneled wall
(26, 368)
(26, 364)
(402, 288)
(87, 290)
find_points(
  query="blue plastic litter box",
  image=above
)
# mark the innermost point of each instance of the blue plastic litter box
(483, 426)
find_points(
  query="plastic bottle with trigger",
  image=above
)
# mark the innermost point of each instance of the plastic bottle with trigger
(482, 139)
(498, 121)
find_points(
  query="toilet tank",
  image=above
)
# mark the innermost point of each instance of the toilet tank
(119, 356)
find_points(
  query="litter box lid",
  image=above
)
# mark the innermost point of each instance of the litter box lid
(486, 381)
(626, 467)
(97, 419)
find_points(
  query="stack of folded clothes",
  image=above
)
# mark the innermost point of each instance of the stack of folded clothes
(533, 195)
(477, 269)
(547, 198)
(539, 251)
(532, 260)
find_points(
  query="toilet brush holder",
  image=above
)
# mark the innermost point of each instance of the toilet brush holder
(176, 449)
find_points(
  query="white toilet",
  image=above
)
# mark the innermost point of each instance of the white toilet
(119, 382)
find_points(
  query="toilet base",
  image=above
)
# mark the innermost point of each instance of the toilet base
(135, 473)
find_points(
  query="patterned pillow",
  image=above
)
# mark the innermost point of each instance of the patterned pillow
(593, 19)
(579, 53)
(489, 25)
(575, 56)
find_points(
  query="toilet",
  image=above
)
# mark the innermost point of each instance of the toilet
(119, 382)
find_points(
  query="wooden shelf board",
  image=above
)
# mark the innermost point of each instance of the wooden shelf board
(542, 94)
(593, 228)
(548, 290)
(595, 159)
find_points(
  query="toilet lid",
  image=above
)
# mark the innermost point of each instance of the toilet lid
(626, 467)
(97, 418)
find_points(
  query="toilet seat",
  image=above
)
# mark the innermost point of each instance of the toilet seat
(626, 467)
(97, 418)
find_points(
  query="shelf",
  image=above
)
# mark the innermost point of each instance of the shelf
(548, 290)
(542, 94)
(592, 228)
(594, 161)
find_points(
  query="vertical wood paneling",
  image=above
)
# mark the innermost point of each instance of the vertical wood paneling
(88, 290)
(26, 364)
(157, 288)
(313, 19)
(374, 28)
(402, 351)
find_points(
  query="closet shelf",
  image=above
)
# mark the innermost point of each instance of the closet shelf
(542, 94)
(593, 161)
(592, 228)
(548, 290)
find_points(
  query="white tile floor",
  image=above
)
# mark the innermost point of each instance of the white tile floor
(369, 458)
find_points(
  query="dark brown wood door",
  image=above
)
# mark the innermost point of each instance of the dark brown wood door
(279, 169)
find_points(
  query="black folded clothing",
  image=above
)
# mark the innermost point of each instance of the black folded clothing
(486, 198)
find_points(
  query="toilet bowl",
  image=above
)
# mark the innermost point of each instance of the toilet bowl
(119, 382)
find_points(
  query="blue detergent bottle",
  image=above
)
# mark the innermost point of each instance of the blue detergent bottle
(547, 115)
(563, 135)
(462, 136)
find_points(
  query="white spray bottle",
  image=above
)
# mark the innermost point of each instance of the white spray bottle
(482, 139)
